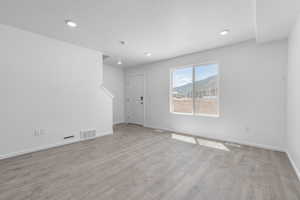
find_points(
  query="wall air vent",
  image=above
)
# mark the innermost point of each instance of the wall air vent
(87, 134)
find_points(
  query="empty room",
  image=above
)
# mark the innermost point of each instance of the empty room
(150, 100)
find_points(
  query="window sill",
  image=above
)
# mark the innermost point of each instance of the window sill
(196, 115)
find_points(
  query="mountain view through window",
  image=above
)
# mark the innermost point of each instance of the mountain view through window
(195, 90)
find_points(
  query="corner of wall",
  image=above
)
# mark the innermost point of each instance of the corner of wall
(291, 101)
(297, 171)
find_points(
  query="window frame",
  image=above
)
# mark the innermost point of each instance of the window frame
(193, 66)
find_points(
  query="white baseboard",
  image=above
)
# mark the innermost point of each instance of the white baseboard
(297, 171)
(262, 146)
(117, 123)
(105, 133)
(49, 146)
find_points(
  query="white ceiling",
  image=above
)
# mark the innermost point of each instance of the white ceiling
(275, 18)
(166, 28)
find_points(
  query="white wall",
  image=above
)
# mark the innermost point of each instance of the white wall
(113, 80)
(293, 97)
(50, 85)
(252, 104)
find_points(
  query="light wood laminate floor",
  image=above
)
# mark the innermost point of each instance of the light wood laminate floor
(138, 163)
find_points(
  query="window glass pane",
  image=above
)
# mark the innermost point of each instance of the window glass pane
(182, 90)
(206, 89)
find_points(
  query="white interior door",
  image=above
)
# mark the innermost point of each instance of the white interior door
(135, 99)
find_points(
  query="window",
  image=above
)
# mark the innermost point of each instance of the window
(194, 90)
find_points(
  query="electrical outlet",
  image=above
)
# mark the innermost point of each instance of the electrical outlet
(247, 129)
(39, 132)
(42, 131)
(36, 132)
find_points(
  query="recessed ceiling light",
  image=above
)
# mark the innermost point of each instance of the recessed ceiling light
(224, 32)
(120, 62)
(70, 23)
(148, 54)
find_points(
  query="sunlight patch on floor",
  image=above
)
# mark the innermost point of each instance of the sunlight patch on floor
(184, 138)
(233, 144)
(212, 144)
(158, 131)
(201, 142)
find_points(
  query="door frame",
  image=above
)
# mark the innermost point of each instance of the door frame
(128, 75)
